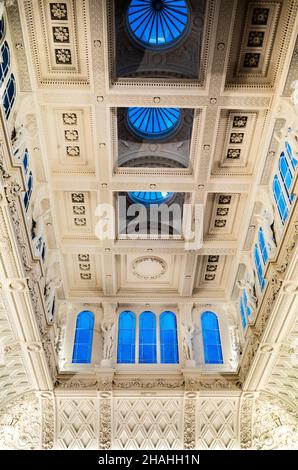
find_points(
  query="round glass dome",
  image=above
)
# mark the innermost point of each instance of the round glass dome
(157, 23)
(150, 197)
(153, 123)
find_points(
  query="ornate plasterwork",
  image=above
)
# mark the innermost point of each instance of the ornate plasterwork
(190, 423)
(149, 267)
(246, 416)
(48, 420)
(275, 424)
(20, 424)
(105, 431)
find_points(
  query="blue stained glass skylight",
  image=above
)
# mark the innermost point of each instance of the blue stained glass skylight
(157, 23)
(150, 197)
(153, 123)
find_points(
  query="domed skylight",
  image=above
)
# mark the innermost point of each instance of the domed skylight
(150, 197)
(153, 123)
(157, 23)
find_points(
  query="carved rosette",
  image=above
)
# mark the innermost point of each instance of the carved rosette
(189, 434)
(105, 418)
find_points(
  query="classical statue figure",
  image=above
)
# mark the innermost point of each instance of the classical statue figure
(235, 345)
(38, 230)
(188, 334)
(250, 290)
(50, 290)
(266, 221)
(108, 330)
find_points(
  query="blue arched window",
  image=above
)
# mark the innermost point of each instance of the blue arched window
(153, 123)
(157, 23)
(28, 193)
(168, 338)
(259, 267)
(243, 313)
(211, 338)
(280, 200)
(285, 173)
(263, 246)
(5, 64)
(126, 351)
(244, 309)
(83, 338)
(26, 160)
(9, 95)
(150, 197)
(291, 156)
(147, 338)
(2, 29)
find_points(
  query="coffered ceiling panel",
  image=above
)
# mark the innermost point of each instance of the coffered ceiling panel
(58, 35)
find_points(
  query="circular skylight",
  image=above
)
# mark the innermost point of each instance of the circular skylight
(157, 23)
(150, 197)
(153, 123)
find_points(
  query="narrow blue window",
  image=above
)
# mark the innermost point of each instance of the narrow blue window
(126, 351)
(291, 156)
(285, 173)
(25, 161)
(259, 267)
(147, 338)
(211, 338)
(2, 29)
(246, 307)
(9, 96)
(83, 338)
(168, 338)
(242, 313)
(27, 195)
(280, 200)
(263, 246)
(4, 65)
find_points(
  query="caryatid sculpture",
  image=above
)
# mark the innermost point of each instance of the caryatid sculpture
(188, 334)
(108, 332)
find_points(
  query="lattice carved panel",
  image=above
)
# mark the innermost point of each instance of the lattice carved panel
(77, 423)
(217, 426)
(141, 423)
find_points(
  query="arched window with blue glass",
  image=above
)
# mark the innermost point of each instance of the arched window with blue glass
(2, 29)
(28, 193)
(126, 350)
(280, 199)
(168, 338)
(147, 338)
(259, 267)
(286, 174)
(158, 24)
(293, 160)
(211, 338)
(82, 350)
(9, 95)
(5, 63)
(244, 309)
(263, 246)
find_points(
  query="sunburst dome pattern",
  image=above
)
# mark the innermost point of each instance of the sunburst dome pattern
(150, 197)
(153, 123)
(157, 23)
